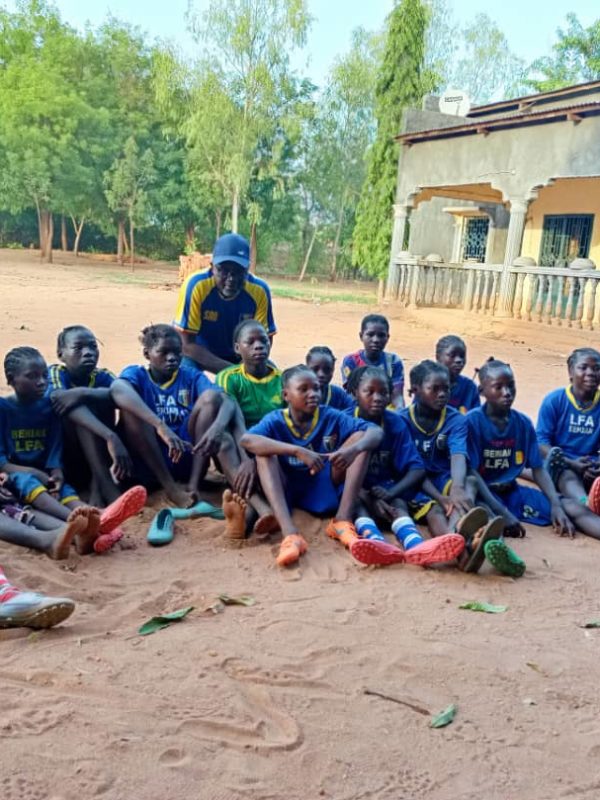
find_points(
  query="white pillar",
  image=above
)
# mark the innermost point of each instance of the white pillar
(514, 239)
(398, 234)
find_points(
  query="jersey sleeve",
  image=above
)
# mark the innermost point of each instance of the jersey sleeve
(264, 311)
(404, 453)
(348, 425)
(104, 379)
(547, 421)
(533, 457)
(4, 438)
(135, 376)
(473, 440)
(202, 383)
(268, 426)
(397, 373)
(472, 400)
(54, 456)
(188, 315)
(457, 436)
(56, 378)
(347, 367)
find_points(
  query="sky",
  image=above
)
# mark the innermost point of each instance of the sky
(529, 25)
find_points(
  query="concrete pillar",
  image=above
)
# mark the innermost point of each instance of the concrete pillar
(514, 238)
(398, 234)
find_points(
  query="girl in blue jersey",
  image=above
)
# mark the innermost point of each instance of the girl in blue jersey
(173, 416)
(502, 443)
(322, 362)
(440, 435)
(568, 430)
(394, 477)
(315, 458)
(451, 351)
(80, 394)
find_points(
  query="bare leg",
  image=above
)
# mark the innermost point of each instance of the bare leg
(142, 439)
(203, 415)
(272, 482)
(103, 489)
(51, 506)
(584, 520)
(56, 543)
(353, 481)
(570, 485)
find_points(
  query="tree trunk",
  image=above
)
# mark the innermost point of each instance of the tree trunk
(253, 248)
(46, 234)
(190, 236)
(120, 237)
(63, 234)
(78, 231)
(218, 222)
(336, 243)
(308, 252)
(131, 244)
(235, 210)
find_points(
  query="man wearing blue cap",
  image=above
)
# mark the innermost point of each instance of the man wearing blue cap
(211, 304)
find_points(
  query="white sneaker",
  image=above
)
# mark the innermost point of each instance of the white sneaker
(30, 609)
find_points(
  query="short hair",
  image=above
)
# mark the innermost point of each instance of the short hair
(288, 374)
(152, 334)
(446, 342)
(16, 358)
(320, 350)
(421, 371)
(581, 352)
(489, 366)
(360, 374)
(61, 339)
(246, 323)
(374, 318)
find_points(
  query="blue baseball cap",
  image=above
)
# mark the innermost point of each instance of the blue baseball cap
(231, 247)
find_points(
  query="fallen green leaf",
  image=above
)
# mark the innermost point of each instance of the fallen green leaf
(594, 623)
(488, 608)
(536, 667)
(444, 718)
(163, 621)
(242, 600)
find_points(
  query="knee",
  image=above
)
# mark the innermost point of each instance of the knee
(209, 399)
(471, 484)
(228, 444)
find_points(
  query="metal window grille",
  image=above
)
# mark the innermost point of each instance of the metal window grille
(475, 236)
(565, 237)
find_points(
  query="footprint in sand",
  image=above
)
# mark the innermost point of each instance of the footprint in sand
(173, 757)
(16, 787)
(272, 728)
(241, 671)
(31, 722)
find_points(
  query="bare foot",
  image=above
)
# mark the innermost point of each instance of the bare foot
(61, 546)
(181, 498)
(84, 541)
(266, 524)
(234, 508)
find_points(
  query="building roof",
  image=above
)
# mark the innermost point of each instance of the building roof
(540, 98)
(511, 119)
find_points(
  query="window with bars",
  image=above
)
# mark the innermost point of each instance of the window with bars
(475, 235)
(565, 237)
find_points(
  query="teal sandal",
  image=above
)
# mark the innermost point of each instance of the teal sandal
(201, 509)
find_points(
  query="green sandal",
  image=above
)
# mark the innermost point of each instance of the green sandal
(504, 559)
(475, 548)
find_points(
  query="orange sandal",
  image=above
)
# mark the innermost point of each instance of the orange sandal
(373, 551)
(292, 547)
(125, 506)
(342, 530)
(439, 550)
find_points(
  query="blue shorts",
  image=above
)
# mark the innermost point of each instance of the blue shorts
(27, 487)
(316, 494)
(526, 504)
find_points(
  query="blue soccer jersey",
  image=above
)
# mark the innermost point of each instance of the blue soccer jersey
(390, 363)
(202, 311)
(500, 456)
(563, 422)
(395, 456)
(339, 399)
(59, 378)
(329, 430)
(172, 402)
(30, 434)
(464, 395)
(447, 439)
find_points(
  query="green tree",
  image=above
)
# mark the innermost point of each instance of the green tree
(126, 184)
(402, 82)
(575, 58)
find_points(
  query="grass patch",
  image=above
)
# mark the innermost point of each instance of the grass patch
(310, 293)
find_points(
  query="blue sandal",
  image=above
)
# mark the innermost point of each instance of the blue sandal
(161, 528)
(201, 509)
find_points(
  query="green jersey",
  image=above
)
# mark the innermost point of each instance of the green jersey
(255, 396)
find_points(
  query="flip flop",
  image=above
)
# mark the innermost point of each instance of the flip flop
(471, 522)
(106, 541)
(503, 558)
(373, 551)
(554, 463)
(476, 555)
(438, 550)
(593, 501)
(201, 509)
(161, 530)
(292, 547)
(125, 506)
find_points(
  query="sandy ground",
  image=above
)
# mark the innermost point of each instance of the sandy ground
(268, 702)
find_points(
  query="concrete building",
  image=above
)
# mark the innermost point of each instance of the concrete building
(518, 178)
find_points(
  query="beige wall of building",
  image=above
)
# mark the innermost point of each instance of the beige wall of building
(566, 196)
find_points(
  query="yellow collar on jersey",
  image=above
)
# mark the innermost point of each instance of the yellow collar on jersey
(166, 385)
(290, 423)
(273, 371)
(438, 427)
(573, 400)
